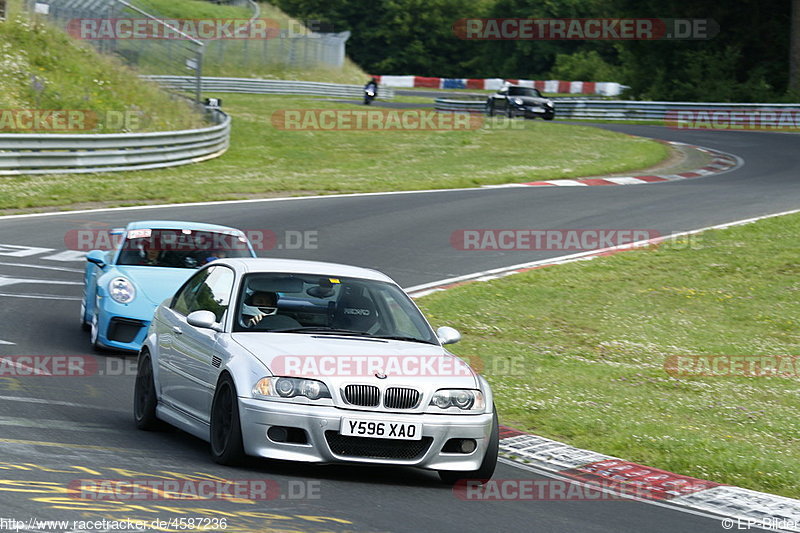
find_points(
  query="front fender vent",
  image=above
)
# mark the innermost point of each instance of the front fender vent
(216, 362)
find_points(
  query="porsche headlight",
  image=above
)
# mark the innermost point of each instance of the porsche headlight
(121, 290)
(276, 387)
(518, 101)
(463, 399)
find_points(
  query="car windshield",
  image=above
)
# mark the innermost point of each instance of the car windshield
(180, 248)
(332, 305)
(524, 91)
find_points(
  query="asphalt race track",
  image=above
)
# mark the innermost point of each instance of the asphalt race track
(56, 430)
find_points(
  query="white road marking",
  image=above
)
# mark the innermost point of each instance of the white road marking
(25, 368)
(7, 342)
(40, 297)
(42, 267)
(67, 256)
(4, 281)
(13, 250)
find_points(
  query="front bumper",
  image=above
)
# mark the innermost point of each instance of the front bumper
(123, 328)
(257, 416)
(535, 112)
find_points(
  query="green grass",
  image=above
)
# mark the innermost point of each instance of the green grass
(42, 68)
(191, 9)
(586, 343)
(265, 161)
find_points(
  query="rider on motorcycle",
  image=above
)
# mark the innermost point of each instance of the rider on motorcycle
(371, 90)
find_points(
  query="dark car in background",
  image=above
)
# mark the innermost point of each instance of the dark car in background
(514, 100)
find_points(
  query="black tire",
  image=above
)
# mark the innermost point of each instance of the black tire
(144, 395)
(549, 116)
(226, 429)
(85, 326)
(486, 470)
(94, 336)
(367, 100)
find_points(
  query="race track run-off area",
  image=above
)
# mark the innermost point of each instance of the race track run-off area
(59, 430)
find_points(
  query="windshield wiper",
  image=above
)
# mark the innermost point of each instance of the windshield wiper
(348, 332)
(400, 338)
(320, 329)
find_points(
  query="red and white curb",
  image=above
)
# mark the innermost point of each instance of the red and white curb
(752, 509)
(758, 509)
(721, 162)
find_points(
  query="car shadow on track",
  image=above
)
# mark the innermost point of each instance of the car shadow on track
(195, 451)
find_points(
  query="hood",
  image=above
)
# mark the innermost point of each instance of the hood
(530, 100)
(156, 283)
(402, 362)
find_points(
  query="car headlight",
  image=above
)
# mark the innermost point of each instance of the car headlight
(548, 103)
(277, 387)
(463, 399)
(121, 290)
(518, 101)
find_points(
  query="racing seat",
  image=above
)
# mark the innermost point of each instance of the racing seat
(356, 313)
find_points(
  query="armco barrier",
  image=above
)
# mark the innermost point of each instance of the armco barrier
(637, 111)
(255, 86)
(27, 153)
(81, 153)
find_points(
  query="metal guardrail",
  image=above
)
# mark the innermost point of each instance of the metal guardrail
(639, 111)
(255, 86)
(28, 153)
(82, 153)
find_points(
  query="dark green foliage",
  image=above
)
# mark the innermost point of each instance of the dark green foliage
(746, 61)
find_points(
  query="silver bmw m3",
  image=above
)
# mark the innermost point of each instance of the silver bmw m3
(315, 362)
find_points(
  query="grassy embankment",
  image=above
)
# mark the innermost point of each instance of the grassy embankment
(588, 343)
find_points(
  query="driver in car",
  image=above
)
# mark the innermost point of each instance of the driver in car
(263, 309)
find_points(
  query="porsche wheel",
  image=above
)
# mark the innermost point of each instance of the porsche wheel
(85, 326)
(226, 429)
(95, 335)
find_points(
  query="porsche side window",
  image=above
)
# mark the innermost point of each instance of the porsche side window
(214, 294)
(184, 300)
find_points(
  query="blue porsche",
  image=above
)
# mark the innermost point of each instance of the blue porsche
(123, 287)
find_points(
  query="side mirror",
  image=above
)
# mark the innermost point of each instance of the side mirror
(98, 257)
(203, 319)
(448, 335)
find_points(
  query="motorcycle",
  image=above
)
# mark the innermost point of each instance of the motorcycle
(369, 94)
